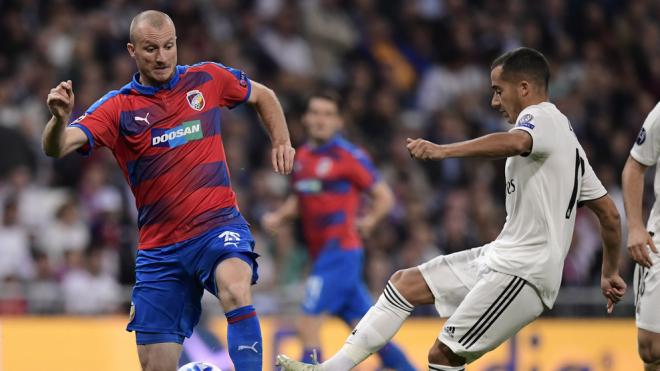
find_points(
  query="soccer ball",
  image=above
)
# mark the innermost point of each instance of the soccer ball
(198, 366)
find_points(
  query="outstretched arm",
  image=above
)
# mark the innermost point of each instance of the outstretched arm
(57, 139)
(639, 238)
(496, 145)
(612, 284)
(272, 116)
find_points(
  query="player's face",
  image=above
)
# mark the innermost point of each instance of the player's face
(506, 97)
(154, 53)
(322, 119)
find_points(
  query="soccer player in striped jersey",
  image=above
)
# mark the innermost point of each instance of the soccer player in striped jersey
(164, 130)
(329, 177)
(642, 240)
(490, 292)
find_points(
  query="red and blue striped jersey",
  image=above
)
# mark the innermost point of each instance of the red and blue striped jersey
(328, 181)
(167, 141)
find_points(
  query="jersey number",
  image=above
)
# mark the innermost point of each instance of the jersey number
(579, 172)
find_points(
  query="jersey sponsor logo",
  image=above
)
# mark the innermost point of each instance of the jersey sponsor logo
(195, 100)
(526, 121)
(308, 186)
(641, 138)
(510, 187)
(230, 238)
(177, 136)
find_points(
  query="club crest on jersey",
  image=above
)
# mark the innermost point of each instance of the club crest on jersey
(526, 121)
(641, 138)
(323, 167)
(195, 100)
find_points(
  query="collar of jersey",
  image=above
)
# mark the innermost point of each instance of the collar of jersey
(152, 90)
(327, 145)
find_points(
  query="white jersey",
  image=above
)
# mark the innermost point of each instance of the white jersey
(543, 190)
(646, 151)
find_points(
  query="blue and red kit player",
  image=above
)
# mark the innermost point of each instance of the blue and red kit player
(164, 130)
(330, 175)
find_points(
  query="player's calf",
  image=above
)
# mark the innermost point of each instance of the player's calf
(159, 357)
(442, 358)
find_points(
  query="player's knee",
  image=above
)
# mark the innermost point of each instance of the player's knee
(649, 352)
(235, 294)
(411, 285)
(153, 361)
(440, 354)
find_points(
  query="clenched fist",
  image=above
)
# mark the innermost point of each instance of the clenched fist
(60, 100)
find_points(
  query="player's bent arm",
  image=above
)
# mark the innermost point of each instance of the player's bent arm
(632, 179)
(496, 145)
(289, 209)
(272, 116)
(383, 201)
(610, 223)
(268, 106)
(58, 140)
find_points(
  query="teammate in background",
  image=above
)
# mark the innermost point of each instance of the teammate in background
(164, 130)
(642, 241)
(491, 292)
(329, 177)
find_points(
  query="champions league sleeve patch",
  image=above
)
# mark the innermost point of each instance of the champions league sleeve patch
(641, 138)
(526, 121)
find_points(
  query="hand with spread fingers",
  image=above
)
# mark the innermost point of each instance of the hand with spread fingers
(422, 149)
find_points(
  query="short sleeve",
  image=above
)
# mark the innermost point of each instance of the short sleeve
(591, 187)
(100, 124)
(361, 170)
(540, 130)
(234, 87)
(647, 145)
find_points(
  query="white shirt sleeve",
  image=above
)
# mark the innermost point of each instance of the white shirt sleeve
(591, 187)
(647, 145)
(531, 121)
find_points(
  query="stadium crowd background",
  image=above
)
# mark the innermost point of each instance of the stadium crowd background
(417, 68)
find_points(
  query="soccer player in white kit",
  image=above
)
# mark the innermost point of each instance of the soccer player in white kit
(491, 292)
(642, 239)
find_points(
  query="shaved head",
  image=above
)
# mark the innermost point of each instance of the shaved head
(152, 18)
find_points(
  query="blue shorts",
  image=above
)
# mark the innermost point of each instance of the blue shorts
(170, 281)
(336, 287)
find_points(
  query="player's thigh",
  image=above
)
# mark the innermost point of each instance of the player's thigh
(234, 279)
(159, 357)
(450, 278)
(647, 296)
(496, 308)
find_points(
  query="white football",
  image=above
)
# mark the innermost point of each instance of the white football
(199, 366)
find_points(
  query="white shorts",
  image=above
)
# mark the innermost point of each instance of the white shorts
(485, 307)
(647, 295)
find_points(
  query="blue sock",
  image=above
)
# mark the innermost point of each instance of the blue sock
(244, 339)
(392, 357)
(307, 355)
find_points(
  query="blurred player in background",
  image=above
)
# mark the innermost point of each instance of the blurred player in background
(164, 130)
(329, 177)
(641, 244)
(491, 292)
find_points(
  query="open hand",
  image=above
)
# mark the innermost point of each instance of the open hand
(282, 158)
(639, 243)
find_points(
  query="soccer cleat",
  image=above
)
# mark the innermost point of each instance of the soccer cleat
(289, 364)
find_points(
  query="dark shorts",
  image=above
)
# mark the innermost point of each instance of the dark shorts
(336, 287)
(170, 281)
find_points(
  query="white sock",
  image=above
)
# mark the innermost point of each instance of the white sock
(434, 367)
(373, 331)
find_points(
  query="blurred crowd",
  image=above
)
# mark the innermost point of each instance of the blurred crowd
(413, 68)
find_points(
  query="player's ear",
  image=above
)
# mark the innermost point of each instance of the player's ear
(524, 88)
(131, 49)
